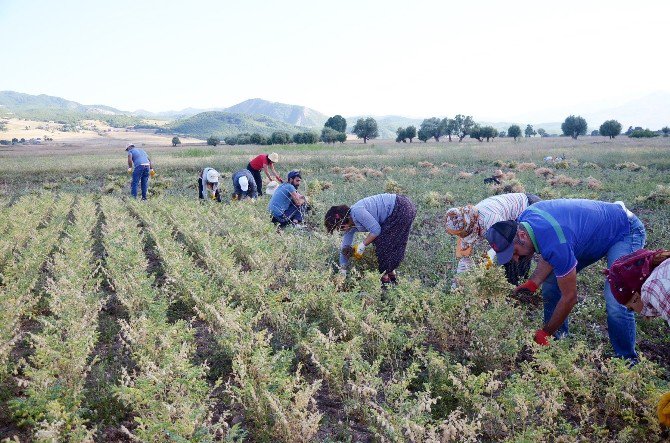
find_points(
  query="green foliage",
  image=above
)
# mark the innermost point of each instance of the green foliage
(337, 123)
(666, 131)
(401, 135)
(514, 131)
(611, 128)
(488, 132)
(280, 138)
(224, 124)
(462, 125)
(176, 141)
(433, 127)
(529, 131)
(410, 133)
(542, 133)
(366, 129)
(308, 138)
(643, 133)
(213, 141)
(574, 126)
(329, 135)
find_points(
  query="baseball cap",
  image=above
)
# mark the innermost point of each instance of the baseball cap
(294, 174)
(244, 183)
(212, 176)
(129, 145)
(501, 238)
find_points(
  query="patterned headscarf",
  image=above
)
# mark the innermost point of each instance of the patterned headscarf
(462, 222)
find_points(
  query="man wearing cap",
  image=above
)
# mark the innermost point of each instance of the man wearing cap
(208, 184)
(140, 167)
(470, 223)
(261, 163)
(287, 206)
(244, 185)
(571, 234)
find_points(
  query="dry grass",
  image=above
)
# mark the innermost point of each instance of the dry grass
(387, 169)
(508, 176)
(353, 177)
(463, 175)
(448, 165)
(563, 180)
(660, 195)
(634, 167)
(593, 183)
(369, 172)
(507, 187)
(544, 172)
(526, 166)
(426, 165)
(589, 165)
(392, 187)
(436, 200)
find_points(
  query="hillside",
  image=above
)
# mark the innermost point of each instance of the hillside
(224, 124)
(291, 114)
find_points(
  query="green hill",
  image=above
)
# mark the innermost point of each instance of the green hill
(224, 124)
(290, 114)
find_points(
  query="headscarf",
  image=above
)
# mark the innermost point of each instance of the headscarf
(462, 222)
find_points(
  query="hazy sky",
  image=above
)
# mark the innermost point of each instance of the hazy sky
(496, 60)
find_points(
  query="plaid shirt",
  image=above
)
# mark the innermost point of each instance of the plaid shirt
(656, 293)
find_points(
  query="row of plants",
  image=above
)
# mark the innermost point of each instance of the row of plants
(54, 375)
(167, 394)
(264, 384)
(22, 272)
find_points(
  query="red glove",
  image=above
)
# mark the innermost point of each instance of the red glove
(541, 338)
(529, 286)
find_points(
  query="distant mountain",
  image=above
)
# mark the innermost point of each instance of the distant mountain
(651, 111)
(224, 124)
(291, 114)
(18, 102)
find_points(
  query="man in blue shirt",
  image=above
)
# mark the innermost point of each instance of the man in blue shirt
(287, 205)
(571, 234)
(140, 166)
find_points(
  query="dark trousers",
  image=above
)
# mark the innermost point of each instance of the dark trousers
(257, 178)
(293, 214)
(141, 177)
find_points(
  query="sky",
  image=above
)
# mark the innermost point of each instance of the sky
(495, 60)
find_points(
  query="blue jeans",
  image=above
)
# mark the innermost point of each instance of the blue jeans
(140, 175)
(292, 214)
(620, 321)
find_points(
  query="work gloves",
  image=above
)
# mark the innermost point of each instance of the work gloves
(152, 172)
(529, 286)
(359, 249)
(664, 409)
(130, 170)
(541, 338)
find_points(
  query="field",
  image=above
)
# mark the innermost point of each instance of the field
(175, 320)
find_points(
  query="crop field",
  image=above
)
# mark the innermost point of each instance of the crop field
(180, 320)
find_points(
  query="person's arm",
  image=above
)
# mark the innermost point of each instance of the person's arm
(267, 174)
(151, 165)
(298, 199)
(568, 286)
(279, 179)
(347, 240)
(130, 160)
(369, 223)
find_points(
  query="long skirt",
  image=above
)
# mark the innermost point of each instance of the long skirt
(391, 243)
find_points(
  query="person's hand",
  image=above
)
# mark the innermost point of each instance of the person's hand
(529, 286)
(279, 179)
(130, 170)
(359, 250)
(342, 272)
(541, 338)
(664, 409)
(152, 172)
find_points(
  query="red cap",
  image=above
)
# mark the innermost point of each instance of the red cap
(628, 273)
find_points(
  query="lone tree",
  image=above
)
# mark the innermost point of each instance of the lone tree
(176, 141)
(476, 133)
(529, 131)
(665, 130)
(574, 126)
(433, 127)
(611, 128)
(463, 125)
(401, 135)
(488, 132)
(410, 132)
(366, 129)
(336, 122)
(213, 141)
(514, 131)
(542, 132)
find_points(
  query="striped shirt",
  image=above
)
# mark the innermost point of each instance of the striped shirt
(500, 208)
(655, 292)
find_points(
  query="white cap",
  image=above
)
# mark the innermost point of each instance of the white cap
(212, 176)
(274, 157)
(244, 183)
(130, 145)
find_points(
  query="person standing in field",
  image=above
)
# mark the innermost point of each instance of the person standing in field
(571, 234)
(287, 205)
(244, 185)
(139, 165)
(208, 184)
(387, 218)
(263, 162)
(470, 223)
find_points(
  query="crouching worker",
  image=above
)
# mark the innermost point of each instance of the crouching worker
(470, 223)
(208, 184)
(387, 218)
(244, 185)
(571, 234)
(287, 205)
